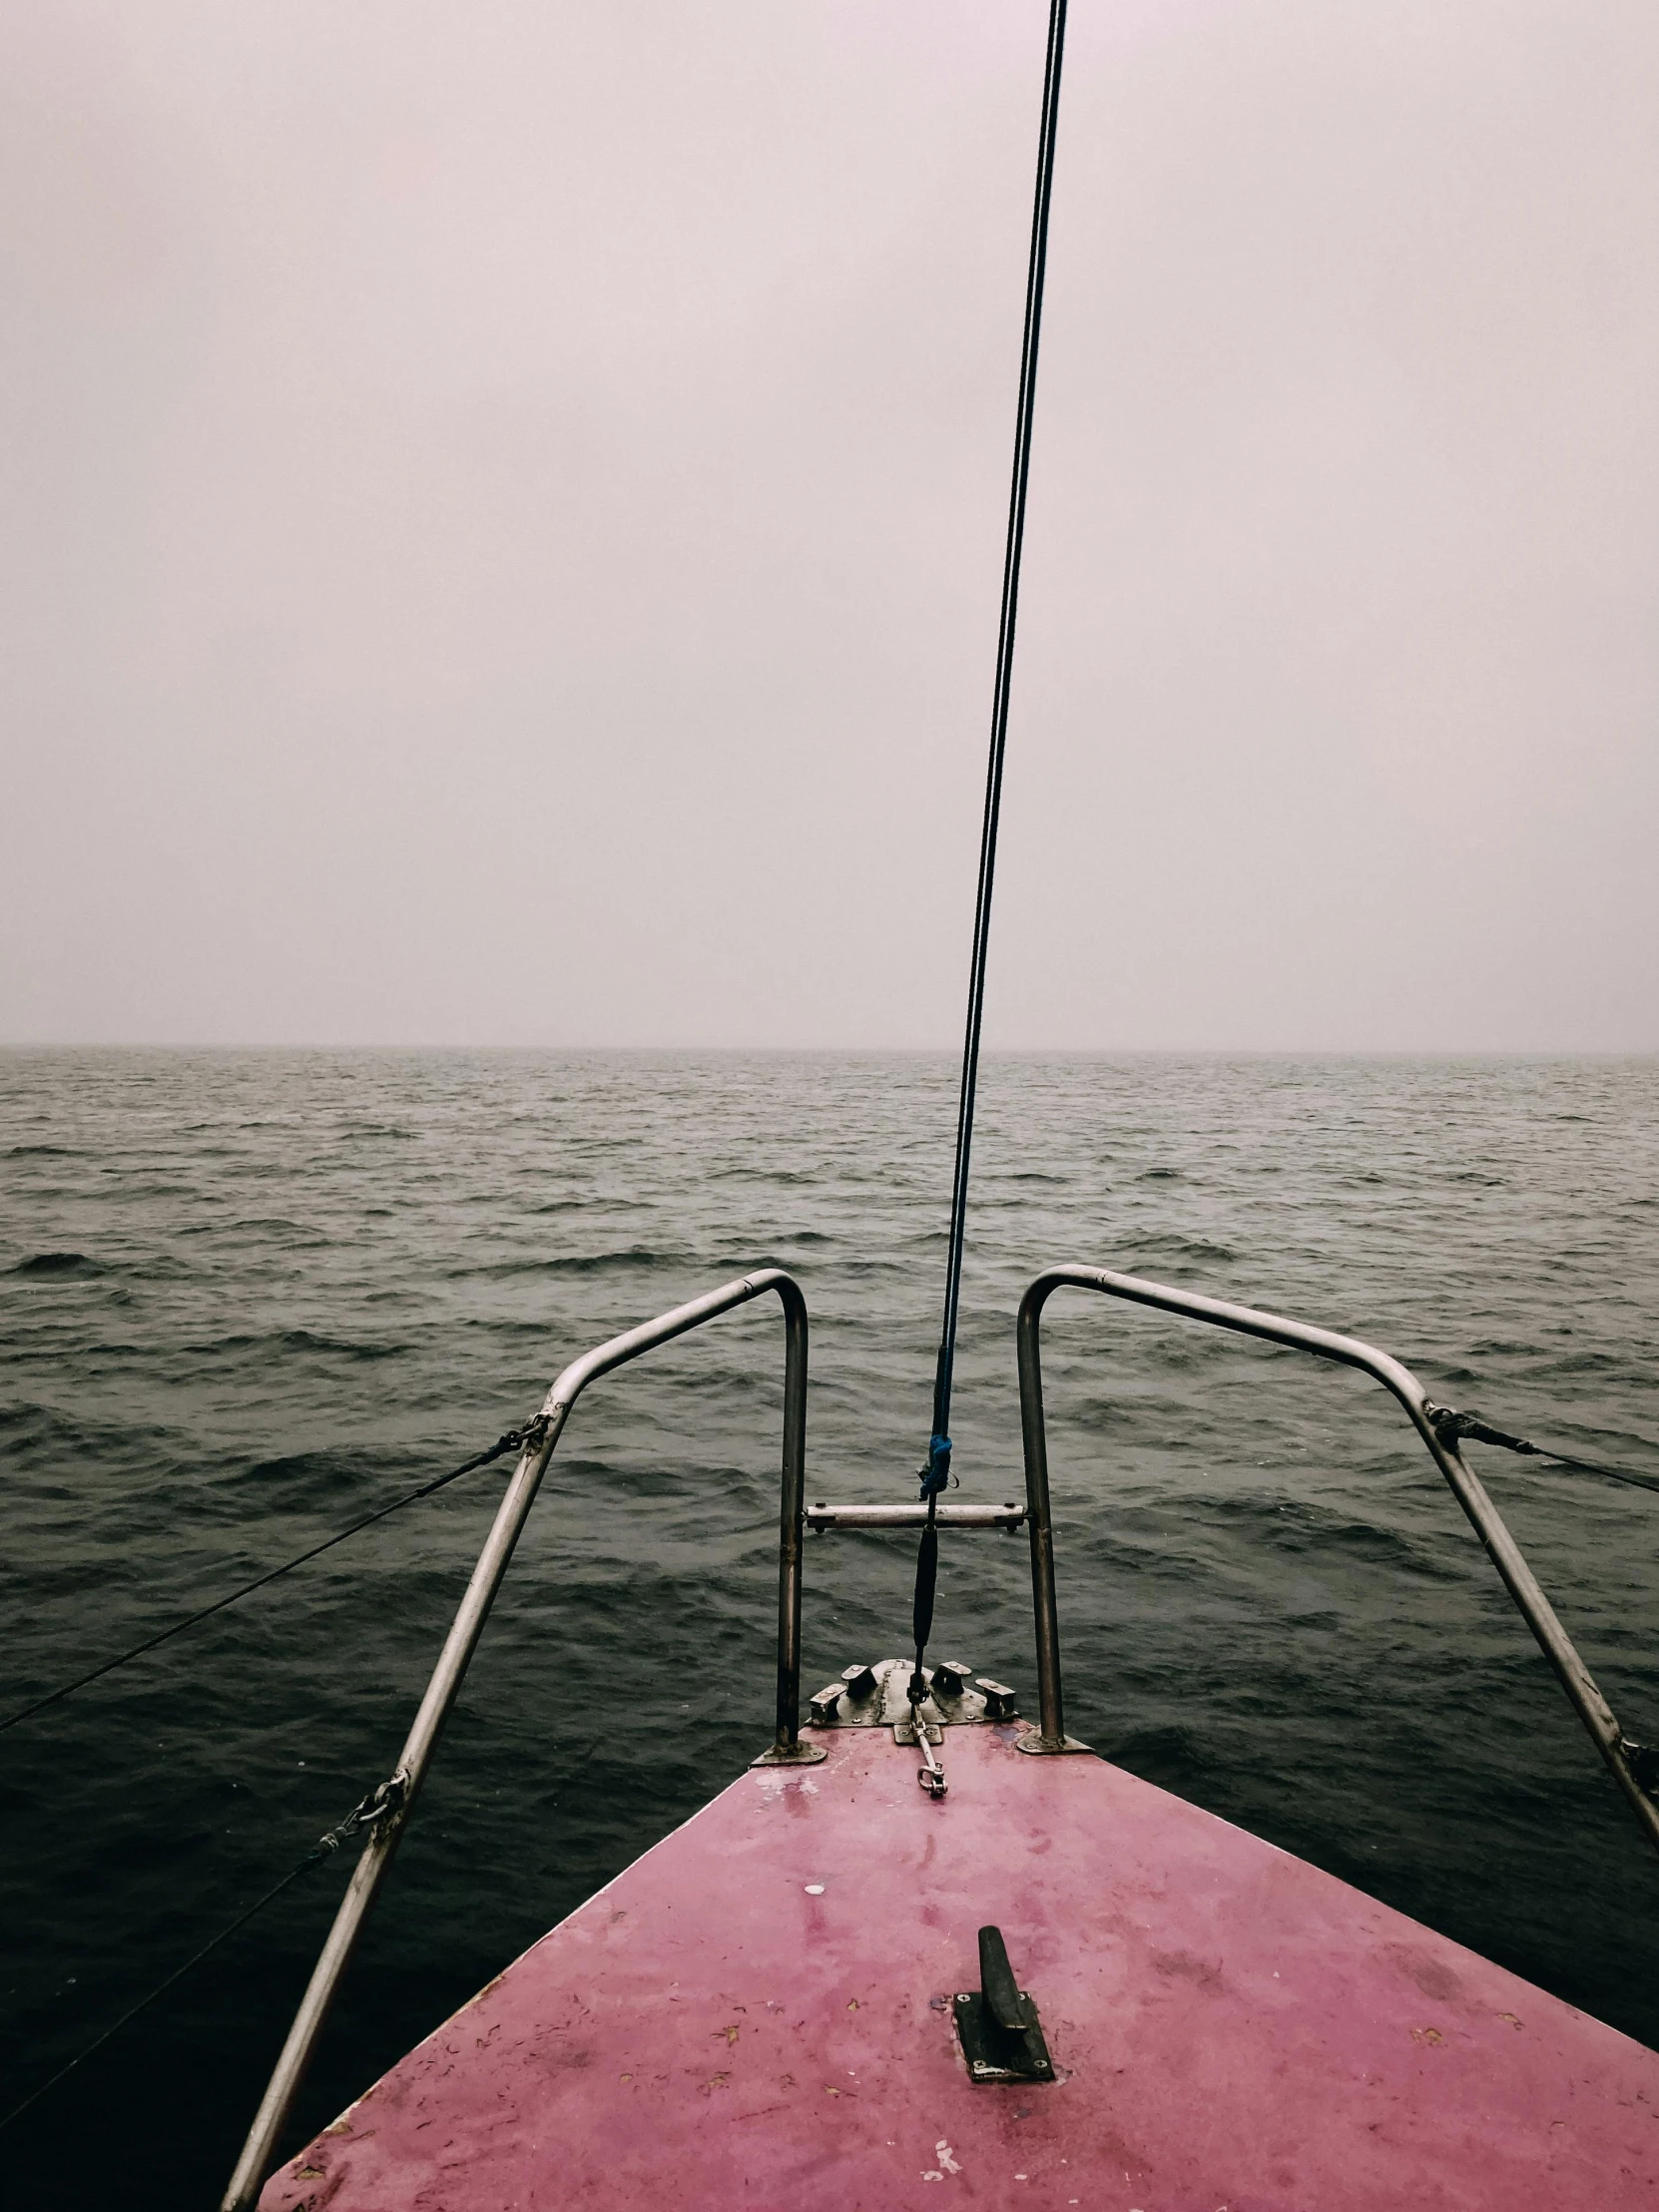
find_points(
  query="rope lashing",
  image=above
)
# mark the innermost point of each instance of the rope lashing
(515, 1439)
(1453, 1426)
(935, 1476)
(937, 1473)
(384, 1801)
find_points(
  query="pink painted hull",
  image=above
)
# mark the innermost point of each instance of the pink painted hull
(757, 2014)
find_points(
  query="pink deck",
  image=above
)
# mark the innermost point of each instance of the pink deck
(755, 2014)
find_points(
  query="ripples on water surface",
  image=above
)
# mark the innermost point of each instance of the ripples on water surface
(243, 1297)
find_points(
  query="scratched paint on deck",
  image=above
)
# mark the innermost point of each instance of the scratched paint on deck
(757, 2012)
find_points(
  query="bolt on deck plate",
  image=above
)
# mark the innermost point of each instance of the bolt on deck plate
(997, 2053)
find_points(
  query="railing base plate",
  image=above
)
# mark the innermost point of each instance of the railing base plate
(791, 1755)
(1044, 1746)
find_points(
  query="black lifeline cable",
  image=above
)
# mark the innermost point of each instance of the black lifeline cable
(1453, 1426)
(386, 1798)
(513, 1440)
(937, 1473)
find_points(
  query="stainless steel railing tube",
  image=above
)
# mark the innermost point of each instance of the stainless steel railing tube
(1039, 1519)
(791, 1518)
(1505, 1554)
(459, 1645)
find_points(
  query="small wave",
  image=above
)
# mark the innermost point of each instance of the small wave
(1185, 1248)
(44, 1152)
(579, 1205)
(761, 1175)
(1589, 1361)
(578, 1263)
(263, 1225)
(307, 1340)
(1166, 1755)
(304, 1469)
(59, 1263)
(23, 1424)
(298, 1339)
(1299, 1529)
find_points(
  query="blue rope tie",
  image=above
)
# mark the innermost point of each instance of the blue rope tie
(935, 1476)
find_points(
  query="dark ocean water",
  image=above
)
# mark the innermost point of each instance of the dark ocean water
(246, 1295)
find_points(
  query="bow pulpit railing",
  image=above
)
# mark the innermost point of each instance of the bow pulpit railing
(1438, 1434)
(386, 1813)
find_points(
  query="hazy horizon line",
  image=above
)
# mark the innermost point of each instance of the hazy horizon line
(850, 1051)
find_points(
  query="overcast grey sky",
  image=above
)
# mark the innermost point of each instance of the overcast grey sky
(501, 509)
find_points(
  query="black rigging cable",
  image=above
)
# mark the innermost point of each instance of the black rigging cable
(513, 1440)
(937, 1473)
(1453, 1427)
(386, 1798)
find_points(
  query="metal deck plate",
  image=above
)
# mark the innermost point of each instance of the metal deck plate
(759, 2013)
(992, 2054)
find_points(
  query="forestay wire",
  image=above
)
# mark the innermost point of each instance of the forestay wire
(937, 1473)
